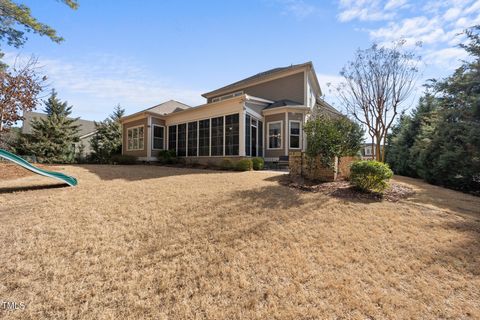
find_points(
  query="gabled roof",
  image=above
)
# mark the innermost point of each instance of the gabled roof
(86, 126)
(167, 107)
(265, 75)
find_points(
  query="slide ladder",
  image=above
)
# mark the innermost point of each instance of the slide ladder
(71, 181)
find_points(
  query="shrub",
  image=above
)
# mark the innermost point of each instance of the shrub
(123, 159)
(370, 175)
(227, 164)
(258, 163)
(167, 157)
(244, 165)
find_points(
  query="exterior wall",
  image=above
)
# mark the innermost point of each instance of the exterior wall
(125, 126)
(285, 150)
(290, 87)
(301, 165)
(210, 111)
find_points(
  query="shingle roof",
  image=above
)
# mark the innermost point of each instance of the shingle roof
(282, 103)
(258, 76)
(86, 126)
(167, 107)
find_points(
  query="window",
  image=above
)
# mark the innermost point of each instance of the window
(294, 134)
(275, 135)
(158, 137)
(204, 137)
(172, 138)
(182, 140)
(247, 135)
(192, 139)
(260, 138)
(227, 96)
(217, 136)
(232, 135)
(135, 138)
(368, 151)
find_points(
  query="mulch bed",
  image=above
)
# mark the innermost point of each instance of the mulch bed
(343, 189)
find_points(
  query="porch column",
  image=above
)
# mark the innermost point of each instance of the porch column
(242, 132)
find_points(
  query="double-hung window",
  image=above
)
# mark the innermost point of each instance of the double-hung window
(135, 139)
(275, 135)
(158, 137)
(295, 134)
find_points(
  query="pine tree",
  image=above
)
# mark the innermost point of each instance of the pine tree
(107, 141)
(52, 138)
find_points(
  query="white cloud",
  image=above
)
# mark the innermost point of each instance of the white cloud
(365, 10)
(95, 84)
(297, 8)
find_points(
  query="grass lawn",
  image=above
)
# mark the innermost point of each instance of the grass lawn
(166, 243)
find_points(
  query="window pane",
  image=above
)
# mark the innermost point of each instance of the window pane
(172, 138)
(247, 135)
(140, 143)
(140, 131)
(135, 133)
(260, 138)
(232, 136)
(130, 133)
(295, 128)
(182, 140)
(217, 136)
(130, 144)
(204, 137)
(192, 139)
(135, 144)
(294, 141)
(157, 137)
(274, 133)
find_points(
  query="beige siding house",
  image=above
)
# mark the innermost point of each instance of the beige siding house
(260, 116)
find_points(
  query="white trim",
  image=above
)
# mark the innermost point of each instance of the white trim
(284, 109)
(153, 132)
(281, 135)
(149, 136)
(242, 141)
(287, 136)
(224, 140)
(299, 134)
(135, 127)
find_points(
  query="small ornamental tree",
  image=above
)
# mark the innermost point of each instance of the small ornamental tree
(332, 137)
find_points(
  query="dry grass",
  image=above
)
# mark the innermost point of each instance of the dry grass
(164, 243)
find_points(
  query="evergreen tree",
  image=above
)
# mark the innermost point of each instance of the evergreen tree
(107, 141)
(52, 138)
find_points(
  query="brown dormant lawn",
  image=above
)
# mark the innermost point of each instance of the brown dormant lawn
(167, 243)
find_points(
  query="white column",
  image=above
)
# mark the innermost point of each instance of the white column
(149, 138)
(287, 134)
(242, 133)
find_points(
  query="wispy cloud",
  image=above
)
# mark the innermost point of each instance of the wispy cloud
(436, 24)
(109, 79)
(297, 8)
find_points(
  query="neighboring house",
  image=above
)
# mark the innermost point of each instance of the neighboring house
(368, 151)
(87, 130)
(260, 116)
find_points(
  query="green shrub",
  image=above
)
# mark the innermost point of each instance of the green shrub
(370, 175)
(167, 156)
(123, 159)
(227, 164)
(244, 165)
(258, 163)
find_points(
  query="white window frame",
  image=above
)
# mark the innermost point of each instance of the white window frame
(281, 134)
(368, 151)
(143, 138)
(299, 134)
(153, 136)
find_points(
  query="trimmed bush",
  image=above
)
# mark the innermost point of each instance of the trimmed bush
(227, 164)
(258, 163)
(370, 175)
(244, 165)
(167, 157)
(123, 159)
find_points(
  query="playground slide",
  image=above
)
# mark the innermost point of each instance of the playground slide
(71, 181)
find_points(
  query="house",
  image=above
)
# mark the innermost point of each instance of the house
(367, 152)
(260, 116)
(87, 130)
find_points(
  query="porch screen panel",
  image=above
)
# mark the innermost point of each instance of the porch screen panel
(182, 140)
(204, 138)
(172, 138)
(232, 135)
(192, 139)
(217, 136)
(260, 138)
(247, 135)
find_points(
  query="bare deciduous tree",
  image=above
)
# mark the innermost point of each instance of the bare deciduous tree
(20, 86)
(377, 84)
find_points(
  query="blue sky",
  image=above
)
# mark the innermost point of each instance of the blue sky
(141, 53)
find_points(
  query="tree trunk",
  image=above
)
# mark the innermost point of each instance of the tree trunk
(378, 155)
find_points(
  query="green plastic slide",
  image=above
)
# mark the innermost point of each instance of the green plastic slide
(71, 181)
